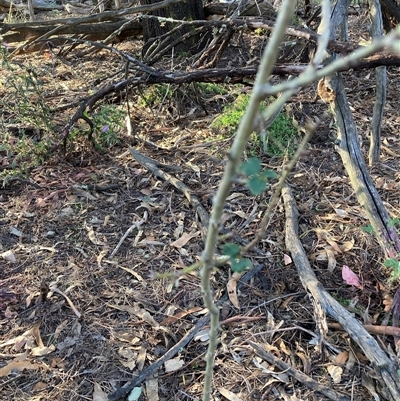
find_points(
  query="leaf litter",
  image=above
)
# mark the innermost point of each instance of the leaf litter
(108, 317)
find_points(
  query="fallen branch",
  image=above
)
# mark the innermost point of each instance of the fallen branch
(385, 368)
(373, 329)
(153, 166)
(128, 231)
(299, 376)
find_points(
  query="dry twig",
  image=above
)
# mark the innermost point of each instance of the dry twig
(135, 225)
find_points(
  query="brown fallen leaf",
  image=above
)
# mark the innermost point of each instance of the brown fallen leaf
(18, 366)
(98, 393)
(184, 239)
(231, 288)
(179, 315)
(228, 394)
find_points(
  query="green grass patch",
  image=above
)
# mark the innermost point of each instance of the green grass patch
(281, 137)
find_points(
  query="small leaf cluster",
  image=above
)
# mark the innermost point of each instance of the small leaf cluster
(257, 179)
(393, 264)
(237, 262)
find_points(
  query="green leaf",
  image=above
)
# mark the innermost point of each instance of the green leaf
(230, 249)
(135, 394)
(392, 263)
(250, 167)
(257, 185)
(368, 229)
(270, 174)
(394, 222)
(239, 265)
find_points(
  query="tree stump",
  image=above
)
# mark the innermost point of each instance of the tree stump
(153, 30)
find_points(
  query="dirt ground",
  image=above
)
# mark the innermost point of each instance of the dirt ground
(120, 316)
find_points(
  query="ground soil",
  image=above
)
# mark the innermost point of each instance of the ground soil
(122, 316)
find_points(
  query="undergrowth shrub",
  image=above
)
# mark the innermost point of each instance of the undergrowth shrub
(108, 125)
(27, 128)
(182, 97)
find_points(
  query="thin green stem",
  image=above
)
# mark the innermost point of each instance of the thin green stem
(245, 129)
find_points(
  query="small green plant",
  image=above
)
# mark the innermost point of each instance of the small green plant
(393, 264)
(26, 125)
(155, 95)
(232, 114)
(256, 179)
(394, 222)
(237, 262)
(368, 229)
(207, 88)
(343, 301)
(260, 32)
(108, 125)
(282, 137)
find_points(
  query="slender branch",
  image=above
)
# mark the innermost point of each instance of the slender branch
(391, 40)
(244, 131)
(322, 44)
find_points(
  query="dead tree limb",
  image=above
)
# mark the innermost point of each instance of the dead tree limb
(350, 152)
(381, 87)
(194, 201)
(384, 367)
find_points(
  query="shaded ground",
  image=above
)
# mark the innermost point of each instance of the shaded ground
(64, 233)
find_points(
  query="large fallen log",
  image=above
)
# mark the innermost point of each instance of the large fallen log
(94, 32)
(6, 7)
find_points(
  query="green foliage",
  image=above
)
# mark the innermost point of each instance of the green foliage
(282, 137)
(260, 32)
(209, 88)
(27, 131)
(343, 301)
(394, 222)
(368, 229)
(282, 134)
(159, 93)
(25, 94)
(393, 264)
(108, 124)
(26, 127)
(233, 113)
(155, 94)
(237, 262)
(257, 179)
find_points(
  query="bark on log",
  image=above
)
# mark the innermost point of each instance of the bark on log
(385, 368)
(350, 152)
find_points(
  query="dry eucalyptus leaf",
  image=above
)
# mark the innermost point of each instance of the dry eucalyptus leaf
(9, 256)
(173, 364)
(228, 394)
(98, 393)
(335, 372)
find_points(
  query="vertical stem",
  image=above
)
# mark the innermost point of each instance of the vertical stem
(245, 129)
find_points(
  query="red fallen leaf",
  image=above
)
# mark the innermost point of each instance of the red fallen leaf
(350, 277)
